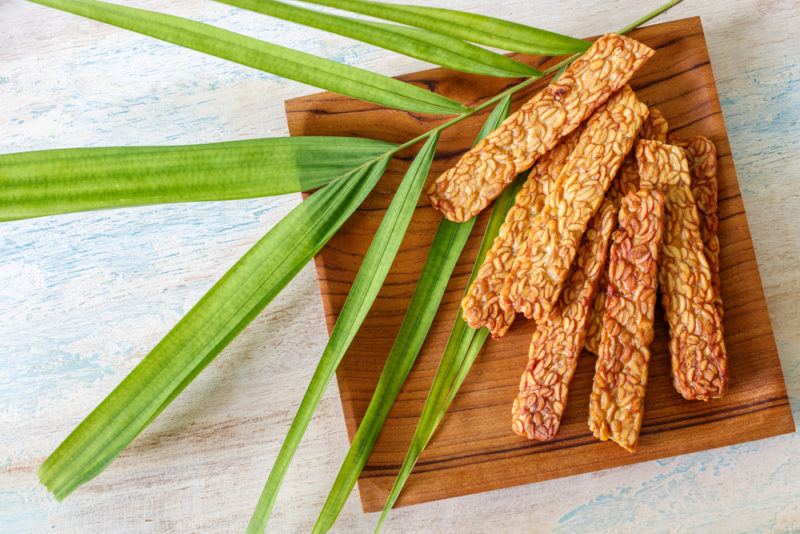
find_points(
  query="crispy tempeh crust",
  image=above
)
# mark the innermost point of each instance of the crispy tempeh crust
(482, 305)
(699, 359)
(542, 266)
(655, 127)
(558, 341)
(616, 405)
(483, 172)
(627, 181)
(702, 156)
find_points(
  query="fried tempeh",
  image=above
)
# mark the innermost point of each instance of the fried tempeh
(627, 181)
(558, 341)
(702, 156)
(594, 330)
(699, 359)
(482, 305)
(483, 172)
(616, 405)
(542, 265)
(655, 127)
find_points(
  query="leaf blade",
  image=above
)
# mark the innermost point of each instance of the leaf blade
(435, 48)
(268, 57)
(49, 182)
(202, 334)
(471, 27)
(450, 239)
(445, 250)
(463, 346)
(369, 279)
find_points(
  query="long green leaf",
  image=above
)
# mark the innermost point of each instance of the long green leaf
(462, 348)
(421, 44)
(444, 252)
(48, 182)
(446, 248)
(202, 334)
(468, 26)
(374, 268)
(299, 66)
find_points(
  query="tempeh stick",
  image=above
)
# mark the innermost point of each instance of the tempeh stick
(616, 405)
(542, 266)
(482, 305)
(594, 330)
(702, 156)
(558, 341)
(627, 181)
(482, 173)
(699, 359)
(654, 127)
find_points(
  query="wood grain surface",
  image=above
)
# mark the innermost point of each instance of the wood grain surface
(475, 450)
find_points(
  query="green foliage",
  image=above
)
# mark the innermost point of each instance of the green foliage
(48, 182)
(291, 64)
(377, 262)
(467, 26)
(426, 45)
(444, 252)
(202, 334)
(462, 348)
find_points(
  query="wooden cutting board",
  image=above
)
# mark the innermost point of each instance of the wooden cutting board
(474, 450)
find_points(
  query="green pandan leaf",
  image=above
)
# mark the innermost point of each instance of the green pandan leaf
(444, 253)
(298, 66)
(428, 46)
(377, 262)
(209, 326)
(48, 182)
(467, 26)
(462, 348)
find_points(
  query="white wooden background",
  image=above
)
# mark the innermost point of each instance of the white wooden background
(83, 297)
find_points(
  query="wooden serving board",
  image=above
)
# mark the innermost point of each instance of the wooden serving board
(474, 450)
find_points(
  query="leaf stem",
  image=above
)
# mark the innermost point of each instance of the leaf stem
(650, 16)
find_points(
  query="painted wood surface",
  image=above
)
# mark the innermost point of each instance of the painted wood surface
(83, 297)
(475, 450)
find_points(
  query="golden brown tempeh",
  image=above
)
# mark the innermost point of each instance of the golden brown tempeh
(616, 405)
(699, 359)
(483, 172)
(542, 265)
(654, 127)
(558, 341)
(702, 156)
(482, 305)
(627, 181)
(594, 329)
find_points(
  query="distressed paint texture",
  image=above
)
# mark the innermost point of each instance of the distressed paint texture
(83, 297)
